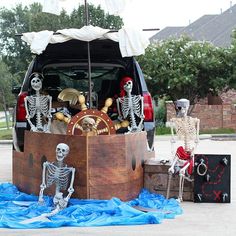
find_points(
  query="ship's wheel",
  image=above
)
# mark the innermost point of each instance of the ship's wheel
(91, 121)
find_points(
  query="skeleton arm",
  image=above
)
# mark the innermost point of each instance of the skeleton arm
(197, 123)
(171, 170)
(118, 101)
(28, 116)
(197, 130)
(141, 111)
(141, 100)
(172, 140)
(43, 185)
(49, 116)
(71, 189)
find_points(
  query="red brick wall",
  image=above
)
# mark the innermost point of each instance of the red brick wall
(211, 116)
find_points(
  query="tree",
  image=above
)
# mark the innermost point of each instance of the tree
(6, 97)
(181, 68)
(232, 53)
(16, 53)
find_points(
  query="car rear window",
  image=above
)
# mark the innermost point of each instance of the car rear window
(76, 76)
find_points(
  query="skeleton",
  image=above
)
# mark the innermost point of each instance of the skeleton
(55, 173)
(131, 105)
(94, 97)
(38, 106)
(59, 174)
(187, 130)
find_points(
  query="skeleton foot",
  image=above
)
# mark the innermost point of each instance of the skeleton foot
(179, 199)
(59, 201)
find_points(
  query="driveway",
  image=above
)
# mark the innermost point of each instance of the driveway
(197, 218)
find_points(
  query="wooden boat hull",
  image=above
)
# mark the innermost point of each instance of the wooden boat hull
(106, 165)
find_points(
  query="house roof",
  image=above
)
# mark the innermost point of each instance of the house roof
(213, 28)
(166, 33)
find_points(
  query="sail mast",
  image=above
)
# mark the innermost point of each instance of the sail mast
(89, 57)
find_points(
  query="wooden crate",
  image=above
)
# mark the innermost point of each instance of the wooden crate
(106, 165)
(156, 179)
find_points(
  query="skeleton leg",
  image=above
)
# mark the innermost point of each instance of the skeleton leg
(171, 171)
(181, 181)
(168, 185)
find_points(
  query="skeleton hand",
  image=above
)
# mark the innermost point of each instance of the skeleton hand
(120, 118)
(63, 203)
(142, 117)
(71, 190)
(41, 200)
(172, 140)
(171, 170)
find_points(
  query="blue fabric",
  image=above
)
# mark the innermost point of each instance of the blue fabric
(16, 206)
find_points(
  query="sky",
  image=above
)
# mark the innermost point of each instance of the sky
(148, 14)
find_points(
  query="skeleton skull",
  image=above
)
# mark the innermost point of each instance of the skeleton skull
(88, 124)
(36, 83)
(62, 151)
(182, 106)
(128, 86)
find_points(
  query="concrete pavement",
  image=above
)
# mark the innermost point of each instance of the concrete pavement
(197, 219)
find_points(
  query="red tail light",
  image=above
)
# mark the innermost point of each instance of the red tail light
(20, 111)
(148, 107)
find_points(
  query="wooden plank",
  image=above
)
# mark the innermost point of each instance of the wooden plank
(40, 147)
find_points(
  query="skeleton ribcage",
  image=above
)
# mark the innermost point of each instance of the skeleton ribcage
(44, 101)
(128, 102)
(57, 175)
(31, 105)
(185, 128)
(42, 107)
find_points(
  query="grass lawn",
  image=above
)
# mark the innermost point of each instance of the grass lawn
(4, 125)
(6, 134)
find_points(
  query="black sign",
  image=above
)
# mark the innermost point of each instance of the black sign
(212, 178)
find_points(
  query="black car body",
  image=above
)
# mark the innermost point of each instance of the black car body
(65, 65)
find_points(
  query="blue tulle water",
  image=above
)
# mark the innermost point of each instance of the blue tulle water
(16, 206)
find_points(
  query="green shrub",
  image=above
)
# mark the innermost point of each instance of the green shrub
(160, 113)
(161, 130)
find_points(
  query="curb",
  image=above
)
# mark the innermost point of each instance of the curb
(168, 137)
(6, 141)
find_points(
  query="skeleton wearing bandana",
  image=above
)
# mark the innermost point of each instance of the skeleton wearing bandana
(187, 130)
(130, 106)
